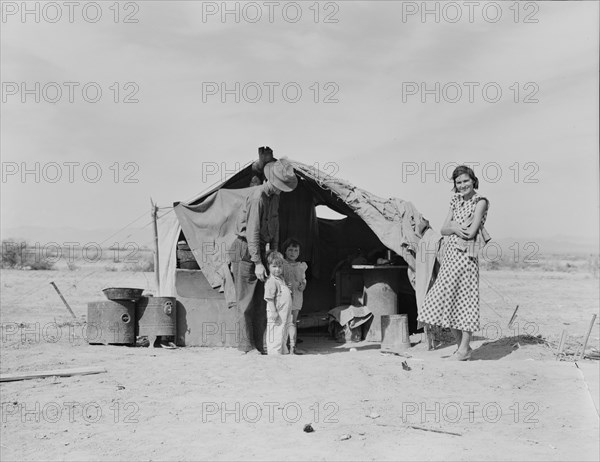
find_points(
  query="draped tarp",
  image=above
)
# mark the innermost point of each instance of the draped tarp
(209, 228)
(397, 223)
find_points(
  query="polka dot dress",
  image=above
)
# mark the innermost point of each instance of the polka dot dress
(453, 301)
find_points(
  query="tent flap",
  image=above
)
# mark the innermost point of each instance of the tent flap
(209, 228)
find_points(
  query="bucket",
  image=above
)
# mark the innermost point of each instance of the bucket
(394, 332)
(381, 297)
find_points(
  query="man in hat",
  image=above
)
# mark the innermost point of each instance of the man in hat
(257, 226)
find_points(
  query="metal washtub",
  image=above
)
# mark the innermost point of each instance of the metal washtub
(111, 322)
(156, 316)
(122, 293)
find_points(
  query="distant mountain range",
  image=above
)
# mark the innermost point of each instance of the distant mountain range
(558, 244)
(106, 237)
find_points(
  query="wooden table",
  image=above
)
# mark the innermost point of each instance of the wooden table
(381, 287)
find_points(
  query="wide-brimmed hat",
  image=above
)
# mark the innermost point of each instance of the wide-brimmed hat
(281, 174)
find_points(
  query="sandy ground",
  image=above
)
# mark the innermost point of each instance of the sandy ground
(514, 401)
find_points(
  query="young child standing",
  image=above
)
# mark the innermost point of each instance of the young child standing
(294, 274)
(279, 304)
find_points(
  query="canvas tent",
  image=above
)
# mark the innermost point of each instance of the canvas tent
(208, 223)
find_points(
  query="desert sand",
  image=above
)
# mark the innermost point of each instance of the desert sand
(513, 401)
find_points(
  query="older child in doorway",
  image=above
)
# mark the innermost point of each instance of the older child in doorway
(294, 274)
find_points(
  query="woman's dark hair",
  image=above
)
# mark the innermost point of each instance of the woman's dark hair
(291, 242)
(462, 170)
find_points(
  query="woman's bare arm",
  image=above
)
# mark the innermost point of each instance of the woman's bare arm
(473, 228)
(446, 227)
(451, 227)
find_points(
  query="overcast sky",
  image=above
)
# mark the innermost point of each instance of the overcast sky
(517, 98)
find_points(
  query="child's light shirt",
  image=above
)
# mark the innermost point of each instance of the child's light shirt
(279, 292)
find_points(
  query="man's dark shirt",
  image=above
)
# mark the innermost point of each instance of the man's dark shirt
(258, 222)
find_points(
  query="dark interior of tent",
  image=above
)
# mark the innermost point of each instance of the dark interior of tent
(330, 247)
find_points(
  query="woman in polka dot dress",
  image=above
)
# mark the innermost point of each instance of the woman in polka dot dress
(453, 301)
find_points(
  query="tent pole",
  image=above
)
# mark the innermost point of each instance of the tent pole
(155, 227)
